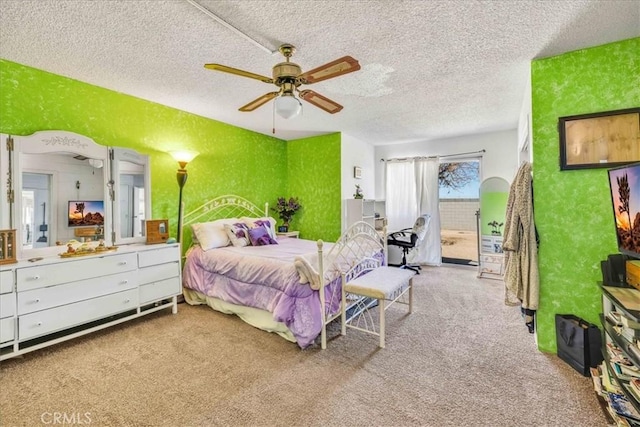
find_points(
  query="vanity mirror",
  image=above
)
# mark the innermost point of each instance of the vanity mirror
(65, 186)
(131, 180)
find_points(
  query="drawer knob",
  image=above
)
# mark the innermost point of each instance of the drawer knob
(127, 300)
(124, 282)
(37, 300)
(122, 263)
(35, 277)
(39, 324)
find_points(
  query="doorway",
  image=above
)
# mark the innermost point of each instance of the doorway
(459, 189)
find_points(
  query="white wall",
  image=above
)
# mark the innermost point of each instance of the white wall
(355, 152)
(500, 158)
(525, 126)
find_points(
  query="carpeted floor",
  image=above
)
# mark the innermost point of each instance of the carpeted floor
(461, 359)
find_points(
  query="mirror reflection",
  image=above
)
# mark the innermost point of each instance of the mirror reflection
(62, 199)
(132, 199)
(36, 192)
(68, 187)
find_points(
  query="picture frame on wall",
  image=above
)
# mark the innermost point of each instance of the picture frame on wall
(599, 140)
(357, 172)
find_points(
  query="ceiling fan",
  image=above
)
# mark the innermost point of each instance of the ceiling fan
(288, 77)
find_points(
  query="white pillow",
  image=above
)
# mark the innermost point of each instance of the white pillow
(251, 223)
(211, 235)
(238, 233)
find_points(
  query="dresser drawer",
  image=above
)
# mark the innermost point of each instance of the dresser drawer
(158, 256)
(63, 317)
(158, 272)
(7, 305)
(6, 281)
(53, 296)
(7, 329)
(73, 271)
(163, 289)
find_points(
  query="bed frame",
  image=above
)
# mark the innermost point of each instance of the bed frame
(358, 250)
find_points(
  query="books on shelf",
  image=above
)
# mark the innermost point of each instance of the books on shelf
(626, 372)
(608, 384)
(617, 356)
(619, 421)
(597, 380)
(614, 318)
(628, 323)
(621, 405)
(635, 393)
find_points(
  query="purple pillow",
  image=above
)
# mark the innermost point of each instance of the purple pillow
(259, 236)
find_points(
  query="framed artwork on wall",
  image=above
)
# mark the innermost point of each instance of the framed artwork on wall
(357, 172)
(599, 140)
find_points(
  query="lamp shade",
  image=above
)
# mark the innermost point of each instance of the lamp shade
(183, 157)
(288, 106)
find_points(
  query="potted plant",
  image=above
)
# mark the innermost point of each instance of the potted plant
(358, 194)
(286, 209)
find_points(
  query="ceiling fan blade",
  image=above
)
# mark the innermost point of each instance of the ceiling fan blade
(259, 102)
(320, 101)
(336, 68)
(238, 72)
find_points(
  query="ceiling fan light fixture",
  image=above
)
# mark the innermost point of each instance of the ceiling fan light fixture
(288, 106)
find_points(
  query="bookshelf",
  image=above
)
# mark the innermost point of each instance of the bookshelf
(620, 320)
(370, 211)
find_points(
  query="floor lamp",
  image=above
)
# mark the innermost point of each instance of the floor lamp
(182, 157)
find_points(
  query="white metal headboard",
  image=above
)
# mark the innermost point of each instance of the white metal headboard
(227, 206)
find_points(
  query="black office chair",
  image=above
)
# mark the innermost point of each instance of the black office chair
(410, 238)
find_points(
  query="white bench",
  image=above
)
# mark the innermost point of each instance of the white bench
(385, 284)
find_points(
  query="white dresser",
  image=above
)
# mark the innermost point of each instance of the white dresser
(55, 299)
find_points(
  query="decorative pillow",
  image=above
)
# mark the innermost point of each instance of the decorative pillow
(210, 235)
(256, 222)
(259, 236)
(238, 234)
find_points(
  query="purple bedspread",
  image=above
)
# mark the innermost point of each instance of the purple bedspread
(264, 277)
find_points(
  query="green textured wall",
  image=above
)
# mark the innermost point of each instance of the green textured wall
(231, 160)
(572, 208)
(314, 177)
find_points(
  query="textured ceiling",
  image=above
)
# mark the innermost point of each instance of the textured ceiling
(430, 69)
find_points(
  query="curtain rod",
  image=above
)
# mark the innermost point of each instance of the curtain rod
(401, 159)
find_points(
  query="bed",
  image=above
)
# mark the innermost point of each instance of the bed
(290, 286)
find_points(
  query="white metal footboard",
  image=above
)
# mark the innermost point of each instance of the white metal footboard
(359, 249)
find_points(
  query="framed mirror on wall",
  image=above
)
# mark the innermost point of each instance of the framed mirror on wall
(65, 187)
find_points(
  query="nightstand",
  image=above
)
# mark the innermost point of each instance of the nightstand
(292, 234)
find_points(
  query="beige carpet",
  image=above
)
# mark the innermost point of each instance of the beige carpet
(461, 359)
